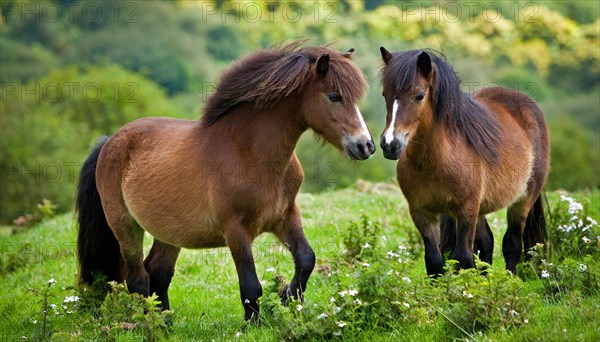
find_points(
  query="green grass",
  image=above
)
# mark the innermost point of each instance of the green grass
(205, 295)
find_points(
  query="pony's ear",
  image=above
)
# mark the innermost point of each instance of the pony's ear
(424, 64)
(349, 53)
(386, 55)
(323, 64)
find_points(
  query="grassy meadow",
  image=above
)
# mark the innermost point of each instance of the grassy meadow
(369, 283)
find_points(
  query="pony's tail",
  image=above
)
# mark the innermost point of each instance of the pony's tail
(535, 227)
(97, 248)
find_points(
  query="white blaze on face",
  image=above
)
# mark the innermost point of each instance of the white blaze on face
(389, 133)
(364, 130)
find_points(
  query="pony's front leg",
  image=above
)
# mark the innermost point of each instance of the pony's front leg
(466, 224)
(290, 232)
(240, 244)
(429, 227)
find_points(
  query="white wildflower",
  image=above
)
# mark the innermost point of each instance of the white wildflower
(391, 254)
(246, 301)
(407, 279)
(357, 302)
(238, 334)
(51, 281)
(366, 264)
(341, 324)
(582, 267)
(545, 274)
(336, 310)
(343, 293)
(366, 245)
(332, 300)
(514, 313)
(566, 198)
(353, 292)
(575, 207)
(270, 270)
(71, 299)
(585, 240)
(526, 321)
(53, 306)
(323, 315)
(406, 304)
(591, 220)
(298, 307)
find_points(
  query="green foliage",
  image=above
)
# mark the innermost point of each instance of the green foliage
(376, 291)
(360, 236)
(49, 124)
(122, 311)
(382, 294)
(575, 163)
(573, 232)
(182, 45)
(569, 265)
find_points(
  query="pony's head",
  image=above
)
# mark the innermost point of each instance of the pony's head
(324, 84)
(330, 102)
(407, 88)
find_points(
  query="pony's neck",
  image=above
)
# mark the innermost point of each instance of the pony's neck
(426, 146)
(268, 137)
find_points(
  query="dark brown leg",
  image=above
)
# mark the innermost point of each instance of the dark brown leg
(160, 264)
(512, 243)
(240, 244)
(466, 223)
(292, 235)
(484, 240)
(428, 226)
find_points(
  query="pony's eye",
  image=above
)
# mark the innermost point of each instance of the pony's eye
(334, 97)
(420, 97)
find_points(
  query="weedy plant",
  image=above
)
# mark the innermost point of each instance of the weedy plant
(123, 311)
(377, 290)
(573, 233)
(52, 310)
(571, 262)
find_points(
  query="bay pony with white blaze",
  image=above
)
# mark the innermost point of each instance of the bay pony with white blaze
(221, 180)
(461, 156)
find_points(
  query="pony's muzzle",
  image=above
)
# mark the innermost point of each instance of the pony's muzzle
(391, 150)
(360, 149)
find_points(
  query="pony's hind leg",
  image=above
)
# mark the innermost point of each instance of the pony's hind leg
(484, 240)
(160, 264)
(291, 234)
(131, 239)
(428, 226)
(512, 243)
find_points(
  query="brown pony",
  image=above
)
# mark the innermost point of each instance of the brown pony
(222, 180)
(461, 156)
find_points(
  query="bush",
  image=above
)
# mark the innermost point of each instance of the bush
(379, 291)
(48, 126)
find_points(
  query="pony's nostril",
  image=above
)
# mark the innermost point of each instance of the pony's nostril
(394, 144)
(382, 143)
(361, 149)
(370, 147)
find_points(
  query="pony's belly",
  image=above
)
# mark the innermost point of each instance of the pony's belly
(506, 186)
(184, 223)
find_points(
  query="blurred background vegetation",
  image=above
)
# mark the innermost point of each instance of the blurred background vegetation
(71, 71)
